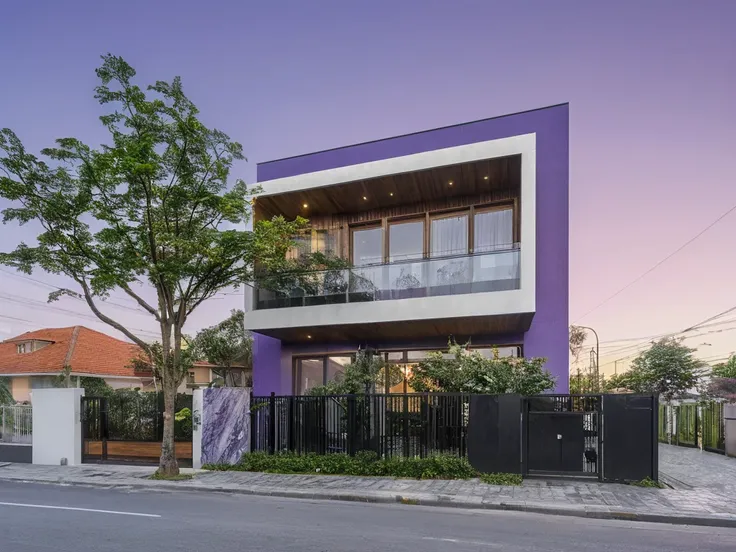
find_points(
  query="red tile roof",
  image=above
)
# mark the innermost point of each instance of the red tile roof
(86, 351)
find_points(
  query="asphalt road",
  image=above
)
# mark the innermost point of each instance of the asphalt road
(35, 518)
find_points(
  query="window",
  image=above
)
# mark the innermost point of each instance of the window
(312, 372)
(367, 246)
(493, 229)
(190, 377)
(23, 348)
(405, 240)
(449, 235)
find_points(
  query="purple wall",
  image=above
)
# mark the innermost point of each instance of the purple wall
(548, 334)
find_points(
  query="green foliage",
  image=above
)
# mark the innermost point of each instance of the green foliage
(226, 345)
(183, 422)
(95, 387)
(365, 463)
(725, 369)
(502, 479)
(158, 476)
(6, 395)
(668, 368)
(647, 482)
(366, 373)
(468, 371)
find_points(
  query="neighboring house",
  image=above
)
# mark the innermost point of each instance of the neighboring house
(35, 360)
(203, 374)
(459, 231)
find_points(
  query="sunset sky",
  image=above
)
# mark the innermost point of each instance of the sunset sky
(652, 93)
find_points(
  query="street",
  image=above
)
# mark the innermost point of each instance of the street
(37, 517)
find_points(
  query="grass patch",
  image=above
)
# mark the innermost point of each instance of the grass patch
(501, 478)
(179, 477)
(364, 463)
(647, 482)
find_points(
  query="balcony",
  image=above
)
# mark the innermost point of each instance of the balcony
(456, 275)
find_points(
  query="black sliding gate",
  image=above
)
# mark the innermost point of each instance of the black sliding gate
(610, 437)
(128, 428)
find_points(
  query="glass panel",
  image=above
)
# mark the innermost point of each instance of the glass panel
(406, 241)
(449, 236)
(311, 374)
(367, 246)
(336, 365)
(493, 231)
(416, 355)
(493, 271)
(487, 352)
(396, 356)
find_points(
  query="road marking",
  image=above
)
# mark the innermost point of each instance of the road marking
(461, 541)
(92, 510)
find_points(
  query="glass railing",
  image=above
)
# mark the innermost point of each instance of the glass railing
(477, 273)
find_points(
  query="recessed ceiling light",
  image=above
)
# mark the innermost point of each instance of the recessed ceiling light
(309, 337)
(305, 205)
(365, 198)
(450, 182)
(485, 177)
(391, 194)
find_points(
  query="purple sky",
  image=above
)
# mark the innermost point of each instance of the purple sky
(651, 87)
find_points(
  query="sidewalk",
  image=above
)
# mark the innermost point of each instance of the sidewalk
(703, 502)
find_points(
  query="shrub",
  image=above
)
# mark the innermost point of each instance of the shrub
(364, 463)
(501, 478)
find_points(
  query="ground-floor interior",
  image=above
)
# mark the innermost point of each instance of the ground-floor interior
(295, 368)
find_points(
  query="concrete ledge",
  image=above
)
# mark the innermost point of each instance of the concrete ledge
(20, 453)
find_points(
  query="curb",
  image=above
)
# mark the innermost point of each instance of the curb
(442, 502)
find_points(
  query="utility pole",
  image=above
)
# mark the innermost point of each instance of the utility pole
(597, 356)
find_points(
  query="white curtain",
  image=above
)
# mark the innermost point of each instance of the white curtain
(449, 236)
(494, 230)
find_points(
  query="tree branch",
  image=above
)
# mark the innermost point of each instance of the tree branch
(141, 302)
(109, 321)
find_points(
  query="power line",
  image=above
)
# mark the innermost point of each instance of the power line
(658, 264)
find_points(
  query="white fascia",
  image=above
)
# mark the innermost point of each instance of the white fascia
(477, 304)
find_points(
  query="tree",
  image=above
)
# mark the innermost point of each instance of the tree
(153, 208)
(225, 345)
(6, 395)
(581, 384)
(722, 383)
(668, 368)
(725, 369)
(468, 371)
(363, 375)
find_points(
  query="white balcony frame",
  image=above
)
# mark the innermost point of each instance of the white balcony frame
(493, 303)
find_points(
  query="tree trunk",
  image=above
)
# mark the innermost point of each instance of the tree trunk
(169, 384)
(167, 463)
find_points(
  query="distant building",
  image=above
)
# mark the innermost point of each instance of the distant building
(36, 360)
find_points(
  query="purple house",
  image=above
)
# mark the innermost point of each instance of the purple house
(455, 232)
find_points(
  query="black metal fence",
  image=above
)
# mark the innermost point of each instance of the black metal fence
(133, 417)
(408, 425)
(693, 425)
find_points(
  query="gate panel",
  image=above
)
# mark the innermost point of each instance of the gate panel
(561, 435)
(630, 437)
(556, 442)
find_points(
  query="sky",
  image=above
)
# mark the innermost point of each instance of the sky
(651, 86)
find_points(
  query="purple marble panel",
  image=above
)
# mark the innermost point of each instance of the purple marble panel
(225, 424)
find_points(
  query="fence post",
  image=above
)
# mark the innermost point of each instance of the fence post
(272, 423)
(351, 425)
(2, 428)
(292, 441)
(406, 425)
